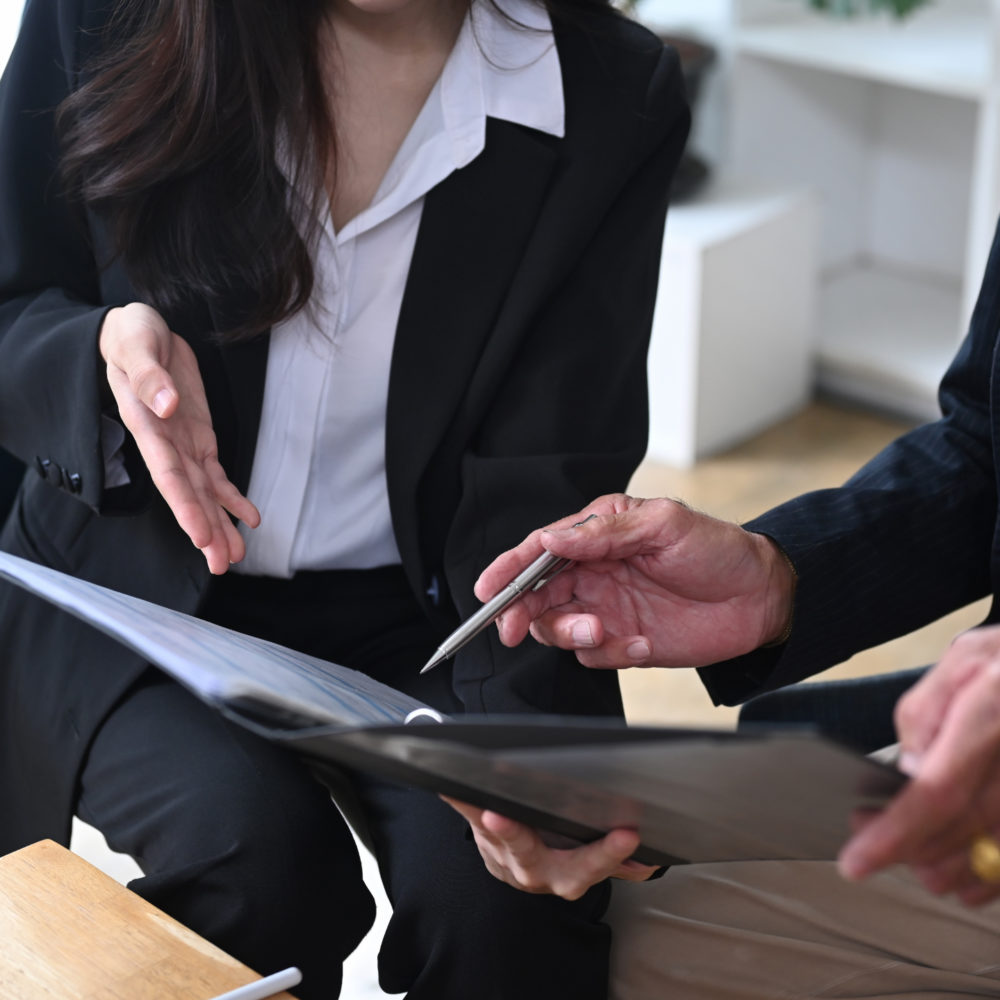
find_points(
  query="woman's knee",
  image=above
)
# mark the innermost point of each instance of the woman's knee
(235, 837)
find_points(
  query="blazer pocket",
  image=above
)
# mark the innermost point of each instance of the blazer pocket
(45, 524)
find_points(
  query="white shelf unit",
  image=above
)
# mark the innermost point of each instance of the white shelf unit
(942, 51)
(896, 127)
(731, 351)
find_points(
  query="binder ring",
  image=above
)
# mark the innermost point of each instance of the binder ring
(423, 713)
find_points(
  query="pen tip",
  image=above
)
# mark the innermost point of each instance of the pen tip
(432, 662)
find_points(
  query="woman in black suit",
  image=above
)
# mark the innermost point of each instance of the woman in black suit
(222, 184)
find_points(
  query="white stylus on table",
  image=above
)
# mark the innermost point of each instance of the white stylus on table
(266, 987)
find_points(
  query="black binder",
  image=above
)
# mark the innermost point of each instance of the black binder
(693, 795)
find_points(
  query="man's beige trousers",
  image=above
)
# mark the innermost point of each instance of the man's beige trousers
(781, 930)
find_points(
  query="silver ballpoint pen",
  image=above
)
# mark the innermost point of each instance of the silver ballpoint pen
(535, 576)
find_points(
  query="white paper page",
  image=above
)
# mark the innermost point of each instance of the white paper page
(219, 665)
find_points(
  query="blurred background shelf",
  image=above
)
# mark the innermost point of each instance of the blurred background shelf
(731, 350)
(880, 337)
(895, 129)
(895, 125)
(944, 50)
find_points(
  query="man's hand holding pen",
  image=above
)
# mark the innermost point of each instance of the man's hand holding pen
(646, 582)
(533, 577)
(654, 584)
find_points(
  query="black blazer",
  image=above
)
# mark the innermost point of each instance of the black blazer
(909, 538)
(517, 387)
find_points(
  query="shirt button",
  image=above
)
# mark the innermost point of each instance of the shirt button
(75, 482)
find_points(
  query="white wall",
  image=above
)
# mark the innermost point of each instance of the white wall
(10, 17)
(694, 15)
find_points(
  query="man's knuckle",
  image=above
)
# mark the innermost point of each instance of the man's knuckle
(143, 373)
(665, 506)
(944, 798)
(568, 889)
(531, 881)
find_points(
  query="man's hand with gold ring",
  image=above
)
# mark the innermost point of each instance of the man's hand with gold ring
(949, 731)
(984, 858)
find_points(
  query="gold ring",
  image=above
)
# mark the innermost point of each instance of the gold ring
(984, 859)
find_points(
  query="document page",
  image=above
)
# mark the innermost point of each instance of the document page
(222, 667)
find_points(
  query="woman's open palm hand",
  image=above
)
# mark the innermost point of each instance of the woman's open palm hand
(154, 376)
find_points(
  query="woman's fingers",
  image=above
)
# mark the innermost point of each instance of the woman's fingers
(155, 379)
(153, 385)
(517, 855)
(136, 341)
(216, 499)
(200, 505)
(521, 854)
(232, 500)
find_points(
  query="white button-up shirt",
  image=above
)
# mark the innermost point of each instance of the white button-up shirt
(319, 469)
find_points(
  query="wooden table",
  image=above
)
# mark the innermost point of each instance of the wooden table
(70, 932)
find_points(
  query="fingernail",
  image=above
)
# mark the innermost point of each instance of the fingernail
(850, 868)
(638, 651)
(582, 634)
(556, 533)
(908, 763)
(161, 401)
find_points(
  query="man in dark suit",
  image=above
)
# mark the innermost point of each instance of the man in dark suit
(909, 538)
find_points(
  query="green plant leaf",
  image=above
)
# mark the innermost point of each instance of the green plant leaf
(851, 8)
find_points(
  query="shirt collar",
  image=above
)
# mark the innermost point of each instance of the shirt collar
(504, 67)
(501, 67)
(521, 75)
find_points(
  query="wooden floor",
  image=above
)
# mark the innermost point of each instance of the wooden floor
(820, 447)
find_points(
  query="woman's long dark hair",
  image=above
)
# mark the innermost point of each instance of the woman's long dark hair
(173, 141)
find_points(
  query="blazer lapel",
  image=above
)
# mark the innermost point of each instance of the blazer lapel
(473, 230)
(241, 368)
